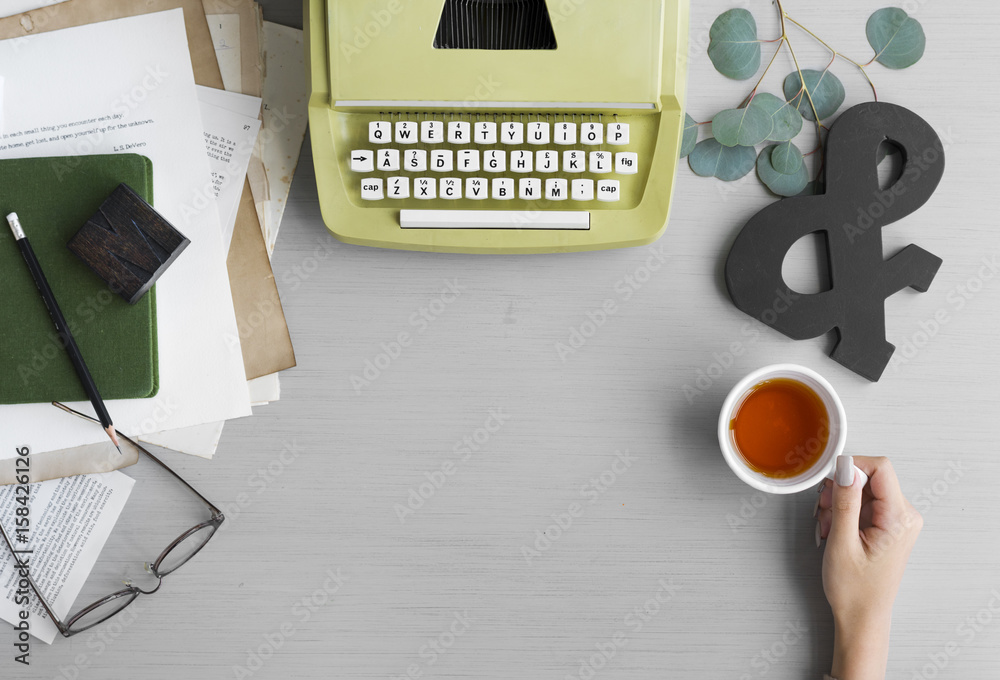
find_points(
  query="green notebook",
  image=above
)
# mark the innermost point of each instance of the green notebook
(53, 197)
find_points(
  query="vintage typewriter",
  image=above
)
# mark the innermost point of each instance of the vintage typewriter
(496, 126)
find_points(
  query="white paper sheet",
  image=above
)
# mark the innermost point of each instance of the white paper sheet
(197, 440)
(230, 136)
(225, 30)
(286, 99)
(265, 389)
(134, 91)
(60, 566)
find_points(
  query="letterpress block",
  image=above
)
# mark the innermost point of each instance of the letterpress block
(128, 244)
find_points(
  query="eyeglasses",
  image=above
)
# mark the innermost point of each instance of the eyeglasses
(175, 555)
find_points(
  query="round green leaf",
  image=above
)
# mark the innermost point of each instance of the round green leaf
(783, 185)
(897, 38)
(741, 127)
(690, 137)
(728, 163)
(826, 89)
(733, 46)
(786, 122)
(786, 158)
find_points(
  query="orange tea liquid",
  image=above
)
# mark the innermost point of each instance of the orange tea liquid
(781, 428)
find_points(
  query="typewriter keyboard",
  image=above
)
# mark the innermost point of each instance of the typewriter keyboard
(500, 162)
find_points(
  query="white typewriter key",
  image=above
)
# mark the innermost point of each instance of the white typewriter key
(626, 163)
(362, 161)
(618, 134)
(503, 189)
(520, 161)
(574, 161)
(565, 133)
(451, 188)
(529, 188)
(468, 160)
(538, 133)
(592, 133)
(441, 160)
(431, 131)
(556, 189)
(547, 161)
(406, 132)
(424, 188)
(415, 160)
(600, 162)
(608, 190)
(477, 188)
(458, 132)
(512, 133)
(388, 159)
(583, 189)
(371, 189)
(486, 133)
(398, 187)
(494, 161)
(379, 132)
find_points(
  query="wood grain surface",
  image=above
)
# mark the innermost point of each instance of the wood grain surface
(645, 545)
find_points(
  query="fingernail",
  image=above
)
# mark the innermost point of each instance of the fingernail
(818, 539)
(822, 485)
(845, 470)
(816, 509)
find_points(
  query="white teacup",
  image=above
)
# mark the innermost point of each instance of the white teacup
(823, 467)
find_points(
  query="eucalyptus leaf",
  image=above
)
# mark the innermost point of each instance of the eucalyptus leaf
(786, 158)
(897, 38)
(741, 127)
(786, 122)
(781, 184)
(690, 137)
(733, 46)
(826, 89)
(728, 163)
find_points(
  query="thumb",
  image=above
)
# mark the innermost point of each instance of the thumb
(846, 505)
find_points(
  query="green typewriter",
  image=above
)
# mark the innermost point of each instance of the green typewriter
(496, 126)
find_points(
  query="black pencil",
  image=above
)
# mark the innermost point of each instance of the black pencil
(62, 328)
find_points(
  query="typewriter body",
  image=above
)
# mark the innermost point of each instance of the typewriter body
(496, 126)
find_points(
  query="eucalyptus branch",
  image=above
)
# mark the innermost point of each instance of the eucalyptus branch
(861, 67)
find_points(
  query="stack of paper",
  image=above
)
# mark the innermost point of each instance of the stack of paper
(216, 99)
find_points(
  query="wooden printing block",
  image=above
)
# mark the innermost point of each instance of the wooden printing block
(128, 244)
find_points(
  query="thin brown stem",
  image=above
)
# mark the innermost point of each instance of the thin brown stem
(835, 53)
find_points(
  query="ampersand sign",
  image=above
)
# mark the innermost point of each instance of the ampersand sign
(851, 215)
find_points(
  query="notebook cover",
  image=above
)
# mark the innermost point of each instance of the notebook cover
(53, 197)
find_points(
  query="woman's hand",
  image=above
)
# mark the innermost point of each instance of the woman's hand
(870, 533)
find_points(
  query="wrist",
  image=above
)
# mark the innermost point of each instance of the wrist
(861, 647)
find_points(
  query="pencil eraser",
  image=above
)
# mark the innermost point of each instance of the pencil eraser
(128, 244)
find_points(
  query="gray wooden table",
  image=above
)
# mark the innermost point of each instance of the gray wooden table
(569, 505)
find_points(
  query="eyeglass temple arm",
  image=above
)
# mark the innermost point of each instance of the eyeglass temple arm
(38, 593)
(216, 512)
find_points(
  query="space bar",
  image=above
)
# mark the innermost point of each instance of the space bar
(494, 219)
